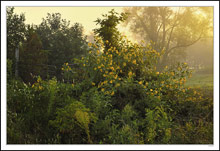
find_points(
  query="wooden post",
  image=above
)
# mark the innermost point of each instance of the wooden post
(16, 61)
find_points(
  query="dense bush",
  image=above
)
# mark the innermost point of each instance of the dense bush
(115, 95)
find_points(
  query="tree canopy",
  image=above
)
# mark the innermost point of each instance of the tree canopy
(170, 28)
(16, 30)
(54, 38)
(63, 41)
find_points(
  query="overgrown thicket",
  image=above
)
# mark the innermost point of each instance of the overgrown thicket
(114, 95)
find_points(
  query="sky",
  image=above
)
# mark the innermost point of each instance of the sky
(84, 15)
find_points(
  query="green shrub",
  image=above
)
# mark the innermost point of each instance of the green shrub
(73, 121)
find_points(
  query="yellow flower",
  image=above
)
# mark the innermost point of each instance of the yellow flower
(102, 89)
(134, 62)
(111, 73)
(157, 73)
(62, 68)
(124, 64)
(84, 65)
(110, 81)
(140, 82)
(151, 90)
(32, 85)
(183, 90)
(98, 60)
(40, 87)
(185, 63)
(95, 68)
(119, 78)
(93, 83)
(38, 80)
(89, 44)
(112, 93)
(172, 73)
(130, 74)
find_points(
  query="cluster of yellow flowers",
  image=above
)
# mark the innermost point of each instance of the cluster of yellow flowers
(37, 85)
(112, 64)
(66, 67)
(116, 65)
(154, 92)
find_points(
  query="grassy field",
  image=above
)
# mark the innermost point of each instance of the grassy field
(200, 80)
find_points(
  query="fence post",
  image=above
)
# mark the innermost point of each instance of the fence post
(16, 61)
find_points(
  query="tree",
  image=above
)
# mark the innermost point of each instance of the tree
(33, 60)
(170, 28)
(15, 32)
(108, 28)
(63, 41)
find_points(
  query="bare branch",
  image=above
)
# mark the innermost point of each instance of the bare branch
(172, 28)
(159, 28)
(186, 45)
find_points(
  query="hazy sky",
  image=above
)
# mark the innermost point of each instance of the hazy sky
(84, 15)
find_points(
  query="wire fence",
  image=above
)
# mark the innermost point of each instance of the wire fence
(44, 70)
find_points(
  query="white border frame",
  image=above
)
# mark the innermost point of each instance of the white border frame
(113, 4)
